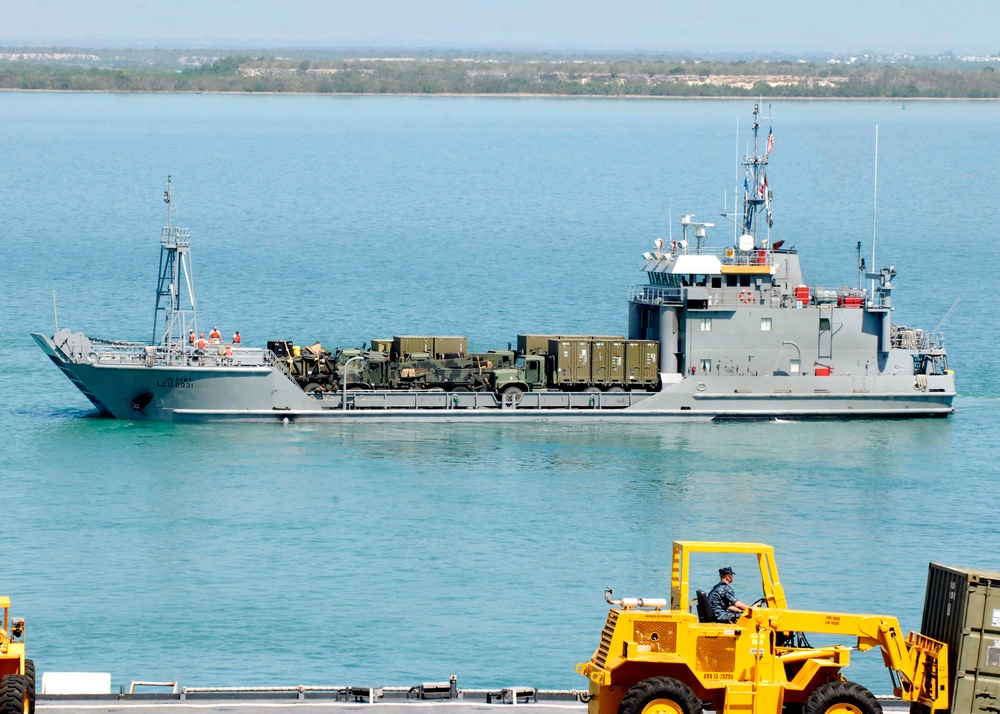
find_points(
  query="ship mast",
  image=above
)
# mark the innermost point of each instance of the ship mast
(756, 192)
(175, 288)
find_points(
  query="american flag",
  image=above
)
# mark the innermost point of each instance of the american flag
(770, 141)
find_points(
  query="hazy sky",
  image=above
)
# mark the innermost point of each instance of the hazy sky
(792, 26)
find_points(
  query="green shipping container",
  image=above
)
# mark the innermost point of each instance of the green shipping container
(608, 360)
(539, 344)
(962, 609)
(642, 360)
(571, 361)
(450, 346)
(534, 344)
(408, 344)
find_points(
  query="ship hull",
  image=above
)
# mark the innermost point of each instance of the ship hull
(219, 392)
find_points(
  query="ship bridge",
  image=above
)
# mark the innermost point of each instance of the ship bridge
(728, 272)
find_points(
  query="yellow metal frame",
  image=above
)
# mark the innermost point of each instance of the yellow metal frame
(758, 663)
(680, 589)
(11, 643)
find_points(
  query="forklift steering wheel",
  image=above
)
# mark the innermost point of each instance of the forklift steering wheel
(762, 602)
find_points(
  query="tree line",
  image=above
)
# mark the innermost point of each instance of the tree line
(457, 76)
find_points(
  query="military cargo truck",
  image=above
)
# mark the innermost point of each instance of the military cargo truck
(580, 363)
(541, 363)
(400, 363)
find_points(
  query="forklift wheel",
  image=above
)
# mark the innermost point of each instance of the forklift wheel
(660, 695)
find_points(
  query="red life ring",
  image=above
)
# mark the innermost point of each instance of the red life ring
(746, 296)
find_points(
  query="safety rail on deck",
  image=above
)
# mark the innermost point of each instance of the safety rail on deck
(735, 296)
(658, 295)
(726, 255)
(282, 365)
(654, 295)
(360, 695)
(175, 236)
(435, 398)
(131, 354)
(906, 339)
(135, 683)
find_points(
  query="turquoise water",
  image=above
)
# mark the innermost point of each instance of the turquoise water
(394, 554)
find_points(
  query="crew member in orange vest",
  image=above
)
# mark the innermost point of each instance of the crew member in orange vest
(191, 337)
(236, 338)
(229, 350)
(214, 334)
(201, 340)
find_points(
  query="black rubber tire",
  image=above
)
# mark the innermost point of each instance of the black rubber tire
(644, 693)
(15, 697)
(847, 696)
(510, 396)
(29, 673)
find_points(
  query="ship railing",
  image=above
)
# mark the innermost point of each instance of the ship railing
(654, 295)
(175, 237)
(730, 255)
(758, 256)
(134, 354)
(281, 365)
(921, 340)
(876, 301)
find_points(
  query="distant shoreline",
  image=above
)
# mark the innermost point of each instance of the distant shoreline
(492, 95)
(628, 78)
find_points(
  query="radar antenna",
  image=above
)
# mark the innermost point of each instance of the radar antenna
(756, 192)
(947, 315)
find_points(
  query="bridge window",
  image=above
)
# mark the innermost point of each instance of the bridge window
(706, 324)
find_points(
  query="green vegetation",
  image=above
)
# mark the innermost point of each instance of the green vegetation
(633, 76)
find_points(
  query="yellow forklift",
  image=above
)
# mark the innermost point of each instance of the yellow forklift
(17, 674)
(655, 659)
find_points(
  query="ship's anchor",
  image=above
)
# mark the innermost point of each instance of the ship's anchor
(140, 401)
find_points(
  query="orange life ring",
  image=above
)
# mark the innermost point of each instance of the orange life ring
(746, 296)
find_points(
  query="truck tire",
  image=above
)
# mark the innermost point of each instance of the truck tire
(510, 397)
(660, 695)
(841, 697)
(29, 673)
(15, 697)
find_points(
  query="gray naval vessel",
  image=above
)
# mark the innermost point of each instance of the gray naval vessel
(715, 333)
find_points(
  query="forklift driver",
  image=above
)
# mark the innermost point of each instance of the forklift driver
(723, 600)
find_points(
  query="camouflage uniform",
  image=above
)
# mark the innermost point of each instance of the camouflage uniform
(720, 598)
